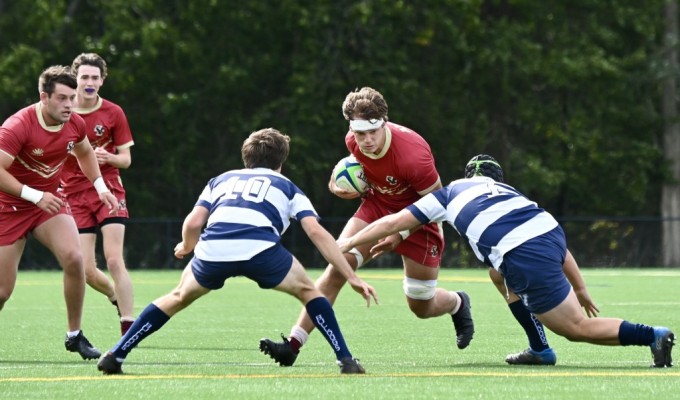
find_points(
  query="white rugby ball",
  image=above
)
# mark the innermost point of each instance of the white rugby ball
(349, 175)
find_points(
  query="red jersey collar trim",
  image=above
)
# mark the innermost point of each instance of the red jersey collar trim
(92, 109)
(41, 120)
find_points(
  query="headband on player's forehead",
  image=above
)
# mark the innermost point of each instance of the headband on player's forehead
(360, 125)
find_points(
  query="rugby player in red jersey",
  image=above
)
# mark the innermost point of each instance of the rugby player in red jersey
(34, 144)
(400, 169)
(109, 133)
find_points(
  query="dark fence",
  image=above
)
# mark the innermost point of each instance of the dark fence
(595, 242)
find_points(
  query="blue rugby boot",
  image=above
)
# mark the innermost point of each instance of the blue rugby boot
(531, 357)
(662, 347)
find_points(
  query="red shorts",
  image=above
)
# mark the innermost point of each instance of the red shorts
(89, 211)
(17, 223)
(423, 246)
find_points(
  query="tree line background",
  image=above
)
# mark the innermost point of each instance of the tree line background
(566, 95)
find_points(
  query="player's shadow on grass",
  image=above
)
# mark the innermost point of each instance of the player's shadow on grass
(191, 348)
(43, 362)
(541, 368)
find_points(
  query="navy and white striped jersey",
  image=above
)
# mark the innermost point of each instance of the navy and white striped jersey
(249, 211)
(493, 217)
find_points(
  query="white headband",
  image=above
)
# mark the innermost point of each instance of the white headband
(360, 125)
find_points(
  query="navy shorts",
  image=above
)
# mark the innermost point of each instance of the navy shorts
(533, 271)
(268, 269)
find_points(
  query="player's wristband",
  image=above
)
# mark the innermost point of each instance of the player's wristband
(404, 234)
(100, 185)
(30, 194)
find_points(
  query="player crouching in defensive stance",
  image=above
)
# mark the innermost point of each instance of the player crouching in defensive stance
(246, 212)
(526, 245)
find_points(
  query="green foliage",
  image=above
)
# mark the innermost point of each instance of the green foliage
(564, 94)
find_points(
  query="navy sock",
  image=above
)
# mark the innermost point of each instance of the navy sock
(148, 322)
(323, 316)
(635, 334)
(531, 325)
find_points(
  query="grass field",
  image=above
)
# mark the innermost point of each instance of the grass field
(210, 351)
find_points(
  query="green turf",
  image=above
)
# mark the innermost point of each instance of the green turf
(210, 351)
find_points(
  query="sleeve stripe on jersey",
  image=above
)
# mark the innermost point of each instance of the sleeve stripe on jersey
(8, 155)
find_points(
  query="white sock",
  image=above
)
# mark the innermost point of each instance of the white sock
(299, 334)
(458, 303)
(73, 333)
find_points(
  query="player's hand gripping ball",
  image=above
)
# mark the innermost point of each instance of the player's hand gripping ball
(349, 175)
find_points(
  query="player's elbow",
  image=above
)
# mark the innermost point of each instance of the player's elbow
(124, 162)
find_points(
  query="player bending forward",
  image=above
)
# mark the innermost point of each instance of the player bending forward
(526, 245)
(246, 212)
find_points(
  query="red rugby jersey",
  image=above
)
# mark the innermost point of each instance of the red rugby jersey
(107, 127)
(404, 170)
(39, 151)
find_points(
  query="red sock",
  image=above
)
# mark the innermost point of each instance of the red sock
(125, 326)
(295, 344)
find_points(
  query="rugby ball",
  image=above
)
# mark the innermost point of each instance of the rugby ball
(349, 175)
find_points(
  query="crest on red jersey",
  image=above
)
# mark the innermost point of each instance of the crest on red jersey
(99, 130)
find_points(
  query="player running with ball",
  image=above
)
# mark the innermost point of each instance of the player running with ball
(399, 165)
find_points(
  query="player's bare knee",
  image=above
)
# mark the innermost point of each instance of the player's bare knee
(4, 296)
(72, 261)
(305, 293)
(179, 297)
(90, 275)
(331, 281)
(115, 264)
(573, 332)
(573, 338)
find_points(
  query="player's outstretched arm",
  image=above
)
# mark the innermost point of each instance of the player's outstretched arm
(381, 228)
(329, 250)
(573, 274)
(191, 231)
